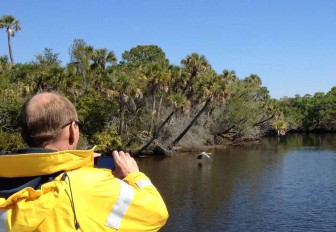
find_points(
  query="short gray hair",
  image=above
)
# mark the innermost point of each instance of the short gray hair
(42, 117)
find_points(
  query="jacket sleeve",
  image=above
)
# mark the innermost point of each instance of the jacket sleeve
(132, 204)
(147, 206)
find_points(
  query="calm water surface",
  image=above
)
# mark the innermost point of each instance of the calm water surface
(286, 185)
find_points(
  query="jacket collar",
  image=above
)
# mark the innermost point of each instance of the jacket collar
(43, 162)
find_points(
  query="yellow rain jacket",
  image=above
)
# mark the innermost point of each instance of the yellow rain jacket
(78, 198)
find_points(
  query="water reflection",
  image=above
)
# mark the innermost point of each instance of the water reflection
(286, 185)
(320, 141)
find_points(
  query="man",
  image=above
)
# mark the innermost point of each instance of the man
(51, 186)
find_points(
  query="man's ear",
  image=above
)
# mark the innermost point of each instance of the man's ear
(72, 133)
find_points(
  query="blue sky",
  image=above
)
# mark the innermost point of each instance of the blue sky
(290, 44)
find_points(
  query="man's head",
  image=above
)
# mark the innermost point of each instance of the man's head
(49, 120)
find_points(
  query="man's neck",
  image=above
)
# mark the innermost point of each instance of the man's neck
(59, 146)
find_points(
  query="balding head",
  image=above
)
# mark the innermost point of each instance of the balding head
(43, 116)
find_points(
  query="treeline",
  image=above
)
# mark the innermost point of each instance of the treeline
(145, 104)
(315, 113)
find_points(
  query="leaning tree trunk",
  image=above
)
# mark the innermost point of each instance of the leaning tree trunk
(156, 133)
(10, 48)
(265, 120)
(208, 101)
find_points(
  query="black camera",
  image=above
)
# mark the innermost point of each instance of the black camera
(104, 162)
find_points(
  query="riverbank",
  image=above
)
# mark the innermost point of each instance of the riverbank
(159, 150)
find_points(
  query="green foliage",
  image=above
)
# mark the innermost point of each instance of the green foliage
(316, 112)
(10, 141)
(94, 111)
(144, 100)
(4, 65)
(280, 126)
(145, 57)
(47, 58)
(107, 140)
(247, 109)
(80, 54)
(86, 58)
(10, 103)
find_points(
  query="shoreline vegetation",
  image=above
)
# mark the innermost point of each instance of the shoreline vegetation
(146, 105)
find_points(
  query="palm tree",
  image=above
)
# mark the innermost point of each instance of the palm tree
(12, 25)
(157, 86)
(102, 56)
(194, 64)
(229, 76)
(126, 84)
(208, 88)
(180, 102)
(206, 104)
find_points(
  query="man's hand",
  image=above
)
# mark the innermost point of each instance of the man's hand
(124, 164)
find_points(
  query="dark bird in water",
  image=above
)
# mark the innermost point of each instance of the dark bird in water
(204, 155)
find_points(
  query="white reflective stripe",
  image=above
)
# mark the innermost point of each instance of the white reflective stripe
(119, 209)
(3, 221)
(143, 183)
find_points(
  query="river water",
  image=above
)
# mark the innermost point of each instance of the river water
(278, 185)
